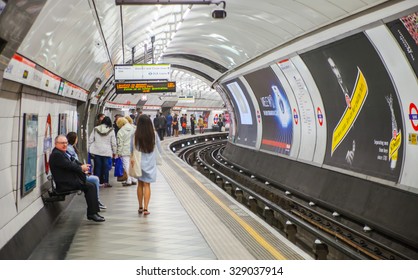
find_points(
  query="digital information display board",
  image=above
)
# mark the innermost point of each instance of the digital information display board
(145, 87)
(144, 72)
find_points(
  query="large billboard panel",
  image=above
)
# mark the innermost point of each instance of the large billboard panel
(364, 123)
(405, 31)
(246, 133)
(405, 81)
(276, 113)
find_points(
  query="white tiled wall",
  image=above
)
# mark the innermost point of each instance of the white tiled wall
(15, 210)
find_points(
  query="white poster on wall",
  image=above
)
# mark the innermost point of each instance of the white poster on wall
(320, 119)
(295, 114)
(305, 109)
(243, 107)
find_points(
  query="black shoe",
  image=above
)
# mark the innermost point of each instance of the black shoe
(100, 215)
(96, 218)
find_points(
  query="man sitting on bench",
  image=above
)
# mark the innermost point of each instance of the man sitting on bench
(69, 174)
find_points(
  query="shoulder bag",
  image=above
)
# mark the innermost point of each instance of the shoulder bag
(135, 164)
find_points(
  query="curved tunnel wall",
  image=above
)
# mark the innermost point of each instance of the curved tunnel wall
(23, 183)
(337, 122)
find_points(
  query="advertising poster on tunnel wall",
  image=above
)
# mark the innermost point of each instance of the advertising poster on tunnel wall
(30, 152)
(246, 133)
(276, 113)
(364, 128)
(405, 31)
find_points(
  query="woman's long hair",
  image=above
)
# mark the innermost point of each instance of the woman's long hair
(144, 134)
(107, 121)
(72, 137)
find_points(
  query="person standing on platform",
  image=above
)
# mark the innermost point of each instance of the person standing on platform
(156, 122)
(162, 126)
(102, 142)
(125, 133)
(169, 119)
(183, 123)
(192, 124)
(99, 118)
(146, 141)
(115, 126)
(69, 174)
(201, 124)
(138, 113)
(220, 122)
(130, 121)
(175, 125)
(73, 152)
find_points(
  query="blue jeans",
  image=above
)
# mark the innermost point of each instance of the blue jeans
(94, 180)
(101, 168)
(168, 129)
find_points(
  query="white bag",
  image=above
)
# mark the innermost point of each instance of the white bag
(135, 164)
(223, 129)
(158, 157)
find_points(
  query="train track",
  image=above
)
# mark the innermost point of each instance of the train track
(322, 232)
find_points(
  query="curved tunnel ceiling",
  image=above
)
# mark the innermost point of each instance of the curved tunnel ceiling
(80, 40)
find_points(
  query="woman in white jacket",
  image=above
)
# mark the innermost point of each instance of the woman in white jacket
(102, 143)
(126, 130)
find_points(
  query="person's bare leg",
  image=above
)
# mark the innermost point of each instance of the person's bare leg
(140, 194)
(147, 196)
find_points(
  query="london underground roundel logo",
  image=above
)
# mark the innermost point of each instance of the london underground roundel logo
(320, 116)
(295, 116)
(215, 119)
(413, 116)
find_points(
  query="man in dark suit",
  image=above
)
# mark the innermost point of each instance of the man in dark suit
(69, 174)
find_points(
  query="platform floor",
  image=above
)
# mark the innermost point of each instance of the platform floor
(191, 219)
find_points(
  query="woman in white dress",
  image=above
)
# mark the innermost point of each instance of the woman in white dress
(146, 140)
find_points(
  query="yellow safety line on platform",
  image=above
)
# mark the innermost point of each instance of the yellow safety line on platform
(244, 224)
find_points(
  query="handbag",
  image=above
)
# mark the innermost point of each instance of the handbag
(118, 167)
(135, 164)
(123, 178)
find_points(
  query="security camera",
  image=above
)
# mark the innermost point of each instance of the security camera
(219, 13)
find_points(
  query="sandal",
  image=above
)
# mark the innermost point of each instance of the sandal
(146, 212)
(140, 210)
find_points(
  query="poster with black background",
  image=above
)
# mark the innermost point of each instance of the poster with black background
(365, 126)
(405, 31)
(276, 113)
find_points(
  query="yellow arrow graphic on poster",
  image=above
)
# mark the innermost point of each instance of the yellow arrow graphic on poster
(350, 115)
(394, 146)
